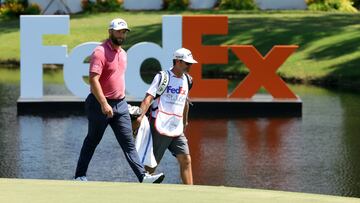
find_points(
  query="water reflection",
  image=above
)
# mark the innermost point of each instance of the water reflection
(351, 143)
(262, 150)
(318, 153)
(207, 140)
(9, 154)
(243, 152)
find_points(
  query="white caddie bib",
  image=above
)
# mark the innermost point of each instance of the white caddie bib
(169, 115)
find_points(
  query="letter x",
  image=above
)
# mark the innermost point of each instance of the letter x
(263, 71)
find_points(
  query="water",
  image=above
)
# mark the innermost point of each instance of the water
(317, 153)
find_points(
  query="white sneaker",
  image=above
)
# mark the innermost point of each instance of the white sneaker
(158, 178)
(81, 178)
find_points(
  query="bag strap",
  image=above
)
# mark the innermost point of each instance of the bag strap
(189, 80)
(163, 83)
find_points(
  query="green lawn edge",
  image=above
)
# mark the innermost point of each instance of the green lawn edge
(26, 190)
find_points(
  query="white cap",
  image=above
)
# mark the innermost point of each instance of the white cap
(184, 55)
(118, 24)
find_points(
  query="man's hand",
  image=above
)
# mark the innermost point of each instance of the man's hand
(137, 123)
(98, 93)
(107, 110)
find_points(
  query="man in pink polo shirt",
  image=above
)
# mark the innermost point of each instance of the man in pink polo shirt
(105, 105)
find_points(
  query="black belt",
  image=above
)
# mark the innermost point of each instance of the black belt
(115, 100)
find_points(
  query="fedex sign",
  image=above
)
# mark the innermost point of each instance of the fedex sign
(177, 31)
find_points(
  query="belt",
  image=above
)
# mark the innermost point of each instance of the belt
(115, 100)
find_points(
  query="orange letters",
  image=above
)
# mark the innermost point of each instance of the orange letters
(262, 69)
(193, 29)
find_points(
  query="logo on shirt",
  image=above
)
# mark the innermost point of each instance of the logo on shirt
(173, 90)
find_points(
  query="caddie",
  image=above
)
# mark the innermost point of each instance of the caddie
(168, 98)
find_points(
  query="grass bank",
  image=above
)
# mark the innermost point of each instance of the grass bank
(329, 52)
(17, 190)
(12, 75)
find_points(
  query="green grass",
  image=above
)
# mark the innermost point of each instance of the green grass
(329, 42)
(13, 76)
(20, 190)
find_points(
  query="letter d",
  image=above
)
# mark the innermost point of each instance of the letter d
(172, 40)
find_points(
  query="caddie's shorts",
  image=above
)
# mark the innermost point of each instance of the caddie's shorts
(176, 145)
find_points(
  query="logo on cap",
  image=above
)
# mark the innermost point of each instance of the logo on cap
(118, 24)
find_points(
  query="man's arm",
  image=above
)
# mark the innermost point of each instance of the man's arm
(186, 113)
(97, 91)
(145, 104)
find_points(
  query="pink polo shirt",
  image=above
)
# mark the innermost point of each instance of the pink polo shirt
(110, 64)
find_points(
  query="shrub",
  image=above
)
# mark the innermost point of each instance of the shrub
(32, 9)
(11, 10)
(88, 6)
(22, 2)
(15, 8)
(238, 4)
(101, 5)
(175, 4)
(331, 5)
(356, 3)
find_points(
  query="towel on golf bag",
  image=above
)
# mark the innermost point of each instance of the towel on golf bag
(144, 144)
